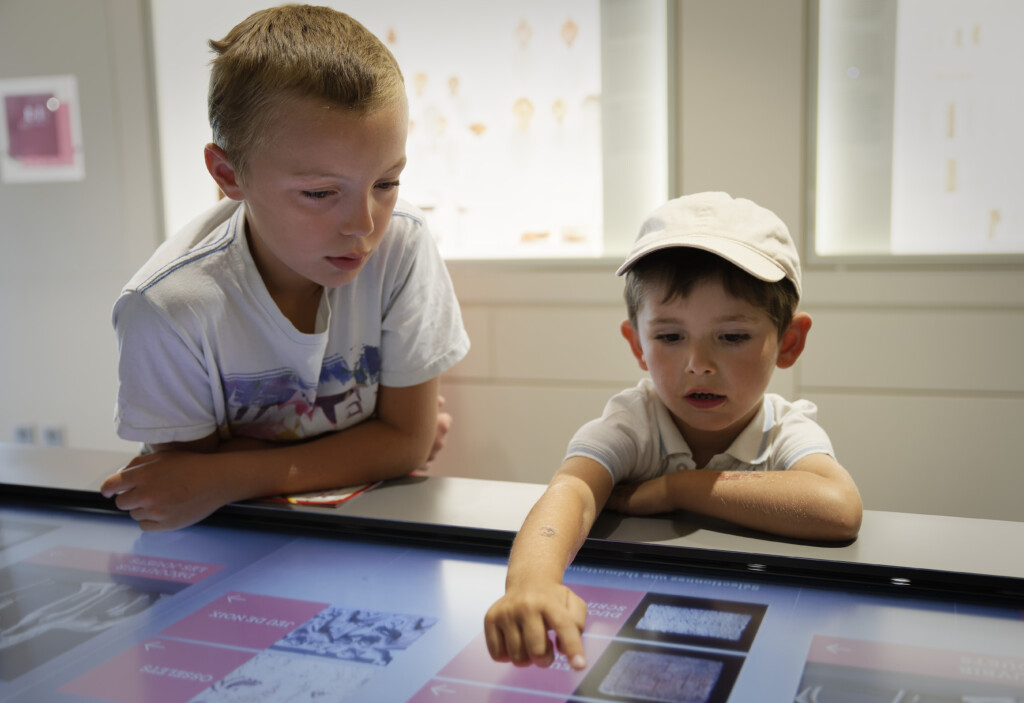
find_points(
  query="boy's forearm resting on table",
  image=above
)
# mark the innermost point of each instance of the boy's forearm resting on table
(175, 487)
(816, 499)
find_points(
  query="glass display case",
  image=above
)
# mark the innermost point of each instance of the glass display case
(915, 141)
(537, 129)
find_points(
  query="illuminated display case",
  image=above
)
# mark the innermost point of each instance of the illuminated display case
(915, 137)
(537, 129)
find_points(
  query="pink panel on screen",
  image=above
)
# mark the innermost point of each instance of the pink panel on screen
(158, 671)
(245, 620)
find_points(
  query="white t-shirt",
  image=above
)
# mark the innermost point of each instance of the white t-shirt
(203, 347)
(636, 439)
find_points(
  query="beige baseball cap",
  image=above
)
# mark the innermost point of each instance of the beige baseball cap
(738, 230)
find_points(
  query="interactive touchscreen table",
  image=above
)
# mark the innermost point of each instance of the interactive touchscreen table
(267, 603)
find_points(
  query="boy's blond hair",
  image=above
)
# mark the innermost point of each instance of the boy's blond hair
(293, 52)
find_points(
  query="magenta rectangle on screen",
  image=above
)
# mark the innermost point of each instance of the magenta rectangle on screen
(158, 671)
(607, 608)
(245, 620)
(438, 690)
(138, 565)
(921, 661)
(475, 664)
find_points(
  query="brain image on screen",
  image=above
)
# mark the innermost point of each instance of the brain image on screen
(694, 621)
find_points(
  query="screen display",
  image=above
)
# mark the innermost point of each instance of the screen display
(92, 609)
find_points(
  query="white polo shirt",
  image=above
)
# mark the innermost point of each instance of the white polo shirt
(636, 440)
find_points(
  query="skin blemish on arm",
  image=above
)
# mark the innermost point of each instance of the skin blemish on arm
(548, 531)
(741, 476)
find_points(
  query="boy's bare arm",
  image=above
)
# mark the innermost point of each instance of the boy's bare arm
(815, 499)
(535, 599)
(182, 484)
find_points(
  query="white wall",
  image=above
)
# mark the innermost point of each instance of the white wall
(67, 248)
(916, 371)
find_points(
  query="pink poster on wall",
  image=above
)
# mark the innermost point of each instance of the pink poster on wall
(40, 130)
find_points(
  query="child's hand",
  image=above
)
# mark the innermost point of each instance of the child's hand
(167, 490)
(516, 627)
(647, 498)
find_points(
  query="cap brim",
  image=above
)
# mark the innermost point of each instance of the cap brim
(748, 259)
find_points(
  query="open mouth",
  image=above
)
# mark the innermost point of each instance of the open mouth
(347, 261)
(703, 400)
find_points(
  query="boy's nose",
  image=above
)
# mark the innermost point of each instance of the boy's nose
(699, 361)
(358, 218)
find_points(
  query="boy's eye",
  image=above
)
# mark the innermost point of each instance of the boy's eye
(388, 185)
(669, 337)
(736, 338)
(316, 194)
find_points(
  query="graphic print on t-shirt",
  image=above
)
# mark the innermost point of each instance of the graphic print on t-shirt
(281, 405)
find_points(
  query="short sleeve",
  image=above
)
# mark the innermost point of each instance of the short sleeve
(422, 334)
(619, 440)
(798, 435)
(164, 393)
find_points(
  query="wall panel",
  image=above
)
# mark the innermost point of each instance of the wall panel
(938, 350)
(513, 432)
(945, 455)
(562, 344)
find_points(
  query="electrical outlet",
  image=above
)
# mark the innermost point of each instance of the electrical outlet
(53, 436)
(25, 434)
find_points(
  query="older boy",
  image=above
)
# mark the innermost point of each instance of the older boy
(291, 338)
(712, 286)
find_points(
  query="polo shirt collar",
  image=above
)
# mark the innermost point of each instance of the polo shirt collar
(750, 447)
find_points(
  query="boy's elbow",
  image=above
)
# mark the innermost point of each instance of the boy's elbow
(406, 460)
(846, 519)
(848, 526)
(420, 448)
(410, 447)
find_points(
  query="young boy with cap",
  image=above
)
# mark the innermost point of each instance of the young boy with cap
(712, 286)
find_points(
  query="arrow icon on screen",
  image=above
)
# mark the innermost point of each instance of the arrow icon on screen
(153, 645)
(438, 690)
(232, 599)
(836, 648)
(808, 695)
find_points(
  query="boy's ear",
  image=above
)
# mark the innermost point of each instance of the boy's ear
(793, 340)
(223, 172)
(633, 337)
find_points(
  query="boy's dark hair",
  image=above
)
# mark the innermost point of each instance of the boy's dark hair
(677, 270)
(293, 52)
